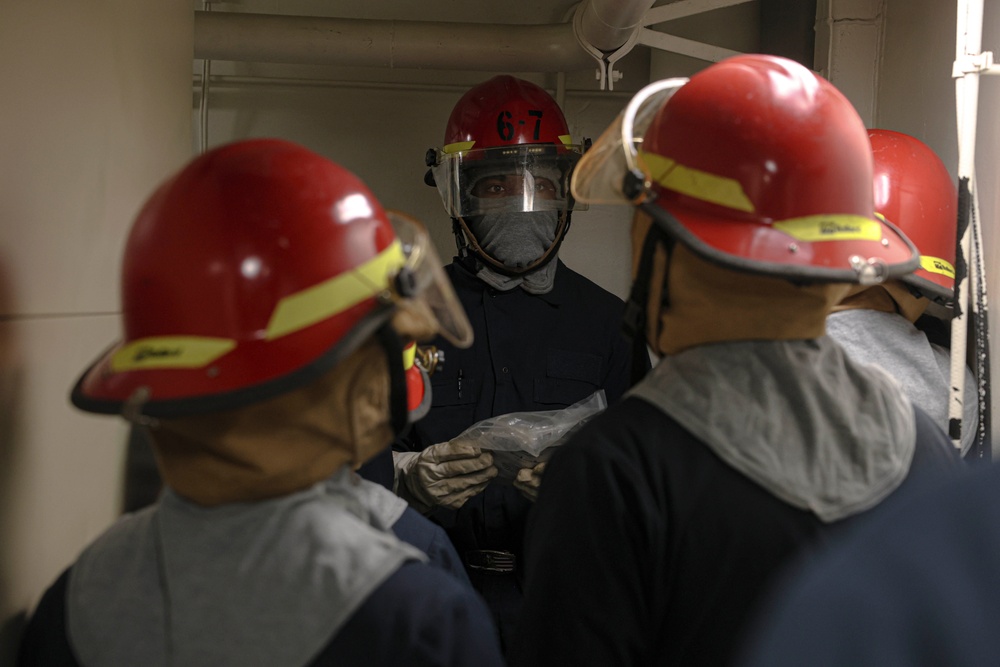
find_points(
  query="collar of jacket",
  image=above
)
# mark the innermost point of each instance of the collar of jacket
(463, 274)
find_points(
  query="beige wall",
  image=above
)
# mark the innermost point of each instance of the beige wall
(95, 111)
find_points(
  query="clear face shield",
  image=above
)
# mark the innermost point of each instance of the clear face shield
(427, 302)
(525, 177)
(613, 171)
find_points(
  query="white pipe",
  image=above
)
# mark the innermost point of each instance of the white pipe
(229, 82)
(608, 24)
(968, 43)
(403, 44)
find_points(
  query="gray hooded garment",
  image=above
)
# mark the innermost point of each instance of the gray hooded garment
(922, 368)
(181, 584)
(812, 427)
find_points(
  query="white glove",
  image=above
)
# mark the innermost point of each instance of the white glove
(528, 481)
(443, 475)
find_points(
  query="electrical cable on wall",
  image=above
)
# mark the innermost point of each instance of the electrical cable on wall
(206, 68)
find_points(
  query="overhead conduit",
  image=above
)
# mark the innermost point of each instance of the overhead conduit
(306, 40)
(599, 27)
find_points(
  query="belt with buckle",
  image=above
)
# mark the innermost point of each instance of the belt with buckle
(490, 560)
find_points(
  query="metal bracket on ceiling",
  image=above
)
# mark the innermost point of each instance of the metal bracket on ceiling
(606, 74)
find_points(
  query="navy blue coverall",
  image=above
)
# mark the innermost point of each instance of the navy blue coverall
(531, 353)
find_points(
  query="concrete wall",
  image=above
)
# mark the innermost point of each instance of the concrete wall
(95, 111)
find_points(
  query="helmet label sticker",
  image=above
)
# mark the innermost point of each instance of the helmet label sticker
(831, 228)
(170, 352)
(937, 265)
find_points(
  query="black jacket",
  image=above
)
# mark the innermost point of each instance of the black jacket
(645, 548)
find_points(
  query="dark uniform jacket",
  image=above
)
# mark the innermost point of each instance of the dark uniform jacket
(531, 352)
(914, 586)
(662, 559)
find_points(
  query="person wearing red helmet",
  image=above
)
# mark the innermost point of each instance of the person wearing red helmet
(661, 523)
(547, 337)
(267, 298)
(889, 324)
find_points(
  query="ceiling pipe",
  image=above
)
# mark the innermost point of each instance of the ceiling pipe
(308, 40)
(607, 25)
(601, 33)
(604, 26)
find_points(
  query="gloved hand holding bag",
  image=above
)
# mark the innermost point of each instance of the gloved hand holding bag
(443, 475)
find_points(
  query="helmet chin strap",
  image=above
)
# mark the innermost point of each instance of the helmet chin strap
(636, 316)
(467, 243)
(398, 409)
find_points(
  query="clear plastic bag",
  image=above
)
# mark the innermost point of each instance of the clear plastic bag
(525, 439)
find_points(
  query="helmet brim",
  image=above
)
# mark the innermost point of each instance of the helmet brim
(232, 381)
(761, 248)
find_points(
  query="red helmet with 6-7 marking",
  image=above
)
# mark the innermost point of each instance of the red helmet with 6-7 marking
(505, 111)
(512, 131)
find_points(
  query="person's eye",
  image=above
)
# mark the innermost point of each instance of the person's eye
(545, 186)
(490, 188)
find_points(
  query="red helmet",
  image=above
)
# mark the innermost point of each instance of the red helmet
(250, 272)
(758, 164)
(511, 127)
(502, 112)
(914, 190)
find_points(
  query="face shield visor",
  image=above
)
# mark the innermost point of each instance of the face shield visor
(520, 178)
(613, 171)
(421, 289)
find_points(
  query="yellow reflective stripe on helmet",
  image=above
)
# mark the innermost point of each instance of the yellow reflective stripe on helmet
(170, 352)
(696, 183)
(316, 303)
(458, 147)
(937, 265)
(836, 227)
(567, 139)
